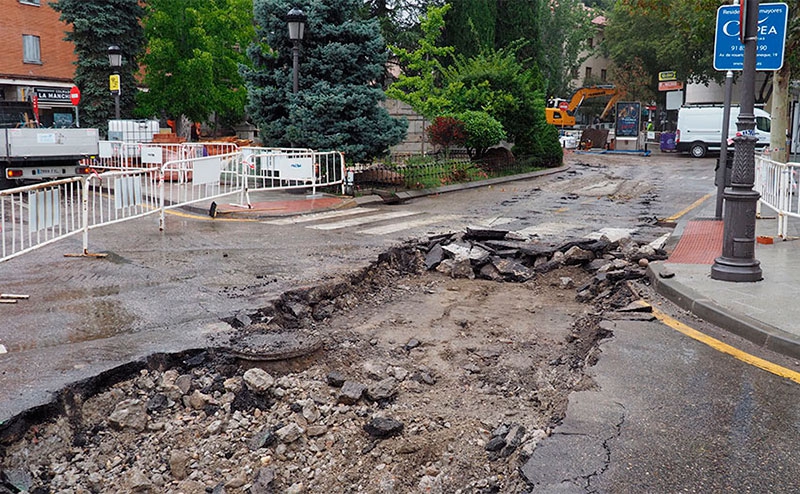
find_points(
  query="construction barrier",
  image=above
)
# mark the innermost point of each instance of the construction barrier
(140, 180)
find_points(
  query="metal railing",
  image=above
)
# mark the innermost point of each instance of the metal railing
(37, 215)
(778, 185)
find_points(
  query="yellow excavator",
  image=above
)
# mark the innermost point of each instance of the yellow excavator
(563, 115)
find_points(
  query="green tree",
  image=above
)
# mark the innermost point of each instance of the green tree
(399, 19)
(338, 102)
(96, 25)
(471, 26)
(566, 28)
(195, 48)
(419, 83)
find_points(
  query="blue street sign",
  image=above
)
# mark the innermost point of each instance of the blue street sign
(728, 48)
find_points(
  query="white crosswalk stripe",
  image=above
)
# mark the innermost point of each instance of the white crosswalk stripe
(363, 220)
(307, 218)
(405, 225)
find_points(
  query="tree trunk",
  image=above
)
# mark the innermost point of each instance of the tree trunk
(780, 114)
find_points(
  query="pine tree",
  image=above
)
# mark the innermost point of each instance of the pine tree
(341, 63)
(96, 25)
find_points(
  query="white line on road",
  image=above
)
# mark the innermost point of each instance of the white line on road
(363, 220)
(396, 227)
(319, 216)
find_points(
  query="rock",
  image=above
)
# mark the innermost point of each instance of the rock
(666, 273)
(383, 427)
(495, 444)
(335, 379)
(576, 255)
(472, 368)
(462, 268)
(263, 439)
(513, 270)
(258, 380)
(139, 482)
(382, 390)
(184, 383)
(373, 370)
(316, 430)
(434, 256)
(459, 252)
(512, 440)
(412, 344)
(310, 412)
(129, 414)
(178, 460)
(243, 319)
(351, 392)
(566, 283)
(296, 488)
(264, 478)
(198, 400)
(289, 433)
(644, 262)
(490, 272)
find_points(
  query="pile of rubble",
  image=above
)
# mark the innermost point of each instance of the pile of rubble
(221, 420)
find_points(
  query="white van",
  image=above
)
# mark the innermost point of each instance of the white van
(700, 128)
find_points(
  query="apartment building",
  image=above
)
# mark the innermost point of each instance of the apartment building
(36, 64)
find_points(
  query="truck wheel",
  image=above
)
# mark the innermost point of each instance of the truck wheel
(698, 149)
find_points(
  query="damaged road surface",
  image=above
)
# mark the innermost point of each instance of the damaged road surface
(439, 368)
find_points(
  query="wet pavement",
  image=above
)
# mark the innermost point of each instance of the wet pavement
(764, 312)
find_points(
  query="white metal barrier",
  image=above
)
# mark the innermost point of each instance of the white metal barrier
(777, 183)
(118, 155)
(36, 215)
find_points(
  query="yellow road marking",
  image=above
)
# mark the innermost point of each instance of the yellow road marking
(206, 218)
(727, 349)
(696, 203)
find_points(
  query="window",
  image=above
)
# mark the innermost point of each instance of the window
(588, 72)
(30, 49)
(30, 2)
(603, 75)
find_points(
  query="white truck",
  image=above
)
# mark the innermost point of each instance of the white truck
(35, 154)
(700, 128)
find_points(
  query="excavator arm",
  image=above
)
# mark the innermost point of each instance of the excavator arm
(556, 116)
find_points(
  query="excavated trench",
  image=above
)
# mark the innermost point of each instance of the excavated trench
(436, 369)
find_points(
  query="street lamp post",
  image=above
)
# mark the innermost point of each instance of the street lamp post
(115, 61)
(738, 262)
(296, 21)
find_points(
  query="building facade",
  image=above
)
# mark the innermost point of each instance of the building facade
(36, 64)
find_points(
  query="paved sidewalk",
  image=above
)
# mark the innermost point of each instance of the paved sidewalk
(765, 311)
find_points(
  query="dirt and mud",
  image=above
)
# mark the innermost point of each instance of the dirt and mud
(406, 380)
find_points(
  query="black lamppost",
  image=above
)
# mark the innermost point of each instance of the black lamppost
(115, 61)
(296, 20)
(738, 262)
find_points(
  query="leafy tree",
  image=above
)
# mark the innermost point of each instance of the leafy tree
(419, 84)
(482, 132)
(519, 24)
(193, 58)
(337, 106)
(566, 28)
(447, 132)
(96, 25)
(399, 19)
(494, 82)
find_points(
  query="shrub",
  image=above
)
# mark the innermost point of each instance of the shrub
(447, 132)
(483, 131)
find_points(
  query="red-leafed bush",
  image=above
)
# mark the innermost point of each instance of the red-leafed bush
(447, 132)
